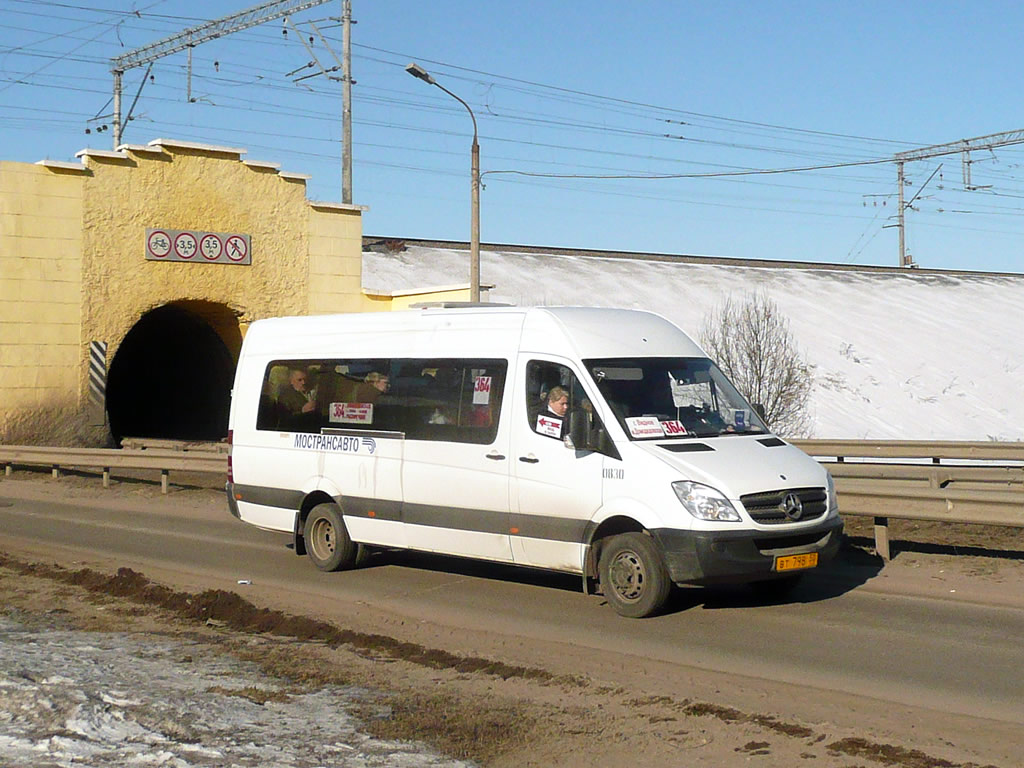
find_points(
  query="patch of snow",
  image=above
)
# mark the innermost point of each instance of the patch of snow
(66, 702)
(897, 354)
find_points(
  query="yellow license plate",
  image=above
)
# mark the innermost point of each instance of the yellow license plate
(795, 562)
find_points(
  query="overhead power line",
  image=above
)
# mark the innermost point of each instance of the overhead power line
(628, 102)
(192, 37)
(964, 147)
(537, 127)
(712, 175)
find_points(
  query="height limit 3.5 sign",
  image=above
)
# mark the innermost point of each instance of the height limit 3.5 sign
(198, 247)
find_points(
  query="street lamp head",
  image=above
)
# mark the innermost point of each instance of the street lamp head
(419, 72)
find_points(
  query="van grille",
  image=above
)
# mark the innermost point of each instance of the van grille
(767, 507)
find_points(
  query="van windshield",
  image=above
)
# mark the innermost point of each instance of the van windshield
(673, 397)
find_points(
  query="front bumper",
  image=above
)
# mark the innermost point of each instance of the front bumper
(724, 557)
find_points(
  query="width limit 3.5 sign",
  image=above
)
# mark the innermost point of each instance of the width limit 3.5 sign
(198, 247)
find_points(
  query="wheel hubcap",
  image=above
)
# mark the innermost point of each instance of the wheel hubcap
(628, 575)
(322, 539)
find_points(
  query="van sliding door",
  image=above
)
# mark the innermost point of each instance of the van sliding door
(455, 469)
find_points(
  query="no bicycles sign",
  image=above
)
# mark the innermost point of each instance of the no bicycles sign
(198, 247)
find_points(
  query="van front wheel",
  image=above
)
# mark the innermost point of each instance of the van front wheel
(634, 579)
(327, 540)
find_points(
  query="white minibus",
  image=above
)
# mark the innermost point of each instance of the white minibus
(601, 442)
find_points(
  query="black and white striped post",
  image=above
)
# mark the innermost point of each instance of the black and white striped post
(97, 383)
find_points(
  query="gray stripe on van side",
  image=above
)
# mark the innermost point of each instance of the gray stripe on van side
(489, 521)
(378, 509)
(467, 519)
(432, 515)
(551, 528)
(456, 518)
(284, 498)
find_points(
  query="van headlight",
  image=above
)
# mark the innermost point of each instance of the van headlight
(705, 503)
(830, 488)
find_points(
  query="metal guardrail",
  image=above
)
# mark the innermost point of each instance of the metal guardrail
(106, 459)
(914, 449)
(987, 488)
(150, 443)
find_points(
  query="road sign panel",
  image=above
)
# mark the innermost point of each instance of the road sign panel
(182, 245)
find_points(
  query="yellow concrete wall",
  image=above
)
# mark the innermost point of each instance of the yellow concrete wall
(304, 258)
(73, 266)
(454, 294)
(40, 297)
(335, 260)
(194, 189)
(373, 302)
(379, 302)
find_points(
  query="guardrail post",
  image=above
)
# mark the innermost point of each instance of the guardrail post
(55, 471)
(164, 475)
(8, 469)
(106, 477)
(882, 538)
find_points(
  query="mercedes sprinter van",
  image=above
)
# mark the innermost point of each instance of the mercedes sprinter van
(601, 442)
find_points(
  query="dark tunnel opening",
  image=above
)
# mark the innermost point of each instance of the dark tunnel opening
(171, 378)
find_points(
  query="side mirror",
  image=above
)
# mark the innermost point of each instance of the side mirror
(584, 437)
(759, 410)
(605, 444)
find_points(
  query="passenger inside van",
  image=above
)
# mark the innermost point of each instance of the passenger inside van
(444, 395)
(375, 385)
(296, 397)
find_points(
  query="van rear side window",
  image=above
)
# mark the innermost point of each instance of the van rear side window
(455, 400)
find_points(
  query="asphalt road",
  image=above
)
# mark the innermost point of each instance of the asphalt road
(853, 641)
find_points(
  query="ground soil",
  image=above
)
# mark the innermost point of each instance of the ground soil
(924, 536)
(478, 709)
(483, 709)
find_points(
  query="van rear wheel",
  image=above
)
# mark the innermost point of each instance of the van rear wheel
(634, 579)
(327, 540)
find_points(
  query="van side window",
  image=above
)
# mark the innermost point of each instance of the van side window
(553, 393)
(456, 400)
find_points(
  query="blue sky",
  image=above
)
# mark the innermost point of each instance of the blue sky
(579, 89)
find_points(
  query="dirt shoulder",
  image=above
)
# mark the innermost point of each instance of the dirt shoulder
(498, 713)
(493, 713)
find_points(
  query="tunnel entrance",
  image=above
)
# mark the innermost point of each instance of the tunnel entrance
(172, 374)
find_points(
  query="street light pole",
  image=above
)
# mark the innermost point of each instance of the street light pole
(474, 230)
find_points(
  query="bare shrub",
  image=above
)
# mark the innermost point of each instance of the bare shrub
(751, 341)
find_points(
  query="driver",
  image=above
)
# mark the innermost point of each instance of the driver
(551, 420)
